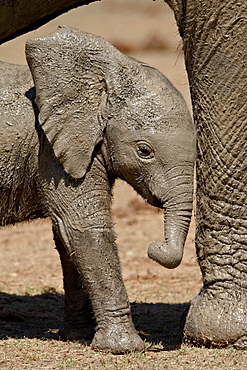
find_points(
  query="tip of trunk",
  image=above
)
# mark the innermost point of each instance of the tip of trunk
(165, 256)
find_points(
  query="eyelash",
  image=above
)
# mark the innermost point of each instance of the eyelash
(144, 151)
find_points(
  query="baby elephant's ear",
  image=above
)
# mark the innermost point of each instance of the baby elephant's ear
(70, 95)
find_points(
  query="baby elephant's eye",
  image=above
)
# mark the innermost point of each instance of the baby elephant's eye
(144, 150)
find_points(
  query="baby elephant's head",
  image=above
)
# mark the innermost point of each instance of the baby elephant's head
(88, 92)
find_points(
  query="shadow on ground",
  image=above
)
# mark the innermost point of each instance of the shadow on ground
(41, 316)
(160, 323)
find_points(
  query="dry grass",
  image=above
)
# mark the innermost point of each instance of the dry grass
(37, 354)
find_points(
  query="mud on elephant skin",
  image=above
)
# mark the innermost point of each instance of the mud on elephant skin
(214, 43)
(99, 115)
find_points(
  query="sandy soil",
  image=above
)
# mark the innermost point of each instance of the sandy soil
(31, 285)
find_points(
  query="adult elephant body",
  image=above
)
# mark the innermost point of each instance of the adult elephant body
(99, 115)
(214, 36)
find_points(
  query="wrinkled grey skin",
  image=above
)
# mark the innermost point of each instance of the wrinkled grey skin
(214, 39)
(98, 115)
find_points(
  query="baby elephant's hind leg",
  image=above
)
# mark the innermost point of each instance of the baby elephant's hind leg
(79, 322)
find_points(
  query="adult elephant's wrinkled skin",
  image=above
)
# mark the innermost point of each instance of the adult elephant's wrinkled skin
(214, 38)
(94, 115)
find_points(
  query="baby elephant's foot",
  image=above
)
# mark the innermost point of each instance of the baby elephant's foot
(117, 338)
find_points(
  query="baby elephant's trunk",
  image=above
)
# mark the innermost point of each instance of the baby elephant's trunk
(177, 217)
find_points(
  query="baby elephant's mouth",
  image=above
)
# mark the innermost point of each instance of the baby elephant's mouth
(146, 193)
(152, 199)
(155, 202)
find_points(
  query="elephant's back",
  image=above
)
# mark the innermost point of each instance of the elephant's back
(18, 145)
(15, 106)
(17, 118)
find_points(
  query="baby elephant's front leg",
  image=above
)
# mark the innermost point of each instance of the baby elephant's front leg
(97, 259)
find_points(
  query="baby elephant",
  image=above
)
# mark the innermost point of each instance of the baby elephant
(94, 115)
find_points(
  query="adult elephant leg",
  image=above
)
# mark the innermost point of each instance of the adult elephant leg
(79, 321)
(215, 51)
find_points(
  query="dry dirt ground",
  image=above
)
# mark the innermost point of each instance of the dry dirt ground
(31, 288)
